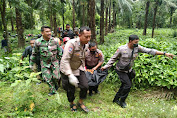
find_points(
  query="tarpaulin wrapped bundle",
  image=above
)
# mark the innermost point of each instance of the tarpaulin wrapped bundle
(96, 77)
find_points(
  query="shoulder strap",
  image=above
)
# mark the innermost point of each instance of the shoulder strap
(131, 56)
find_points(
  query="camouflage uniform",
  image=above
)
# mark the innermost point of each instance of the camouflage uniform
(50, 53)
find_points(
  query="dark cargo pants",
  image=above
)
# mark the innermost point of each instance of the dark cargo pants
(126, 80)
(70, 89)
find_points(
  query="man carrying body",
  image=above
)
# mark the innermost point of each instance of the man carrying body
(68, 32)
(94, 59)
(50, 53)
(73, 66)
(126, 55)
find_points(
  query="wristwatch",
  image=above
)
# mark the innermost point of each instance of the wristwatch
(164, 53)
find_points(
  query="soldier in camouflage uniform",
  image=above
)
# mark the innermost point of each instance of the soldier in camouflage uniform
(50, 53)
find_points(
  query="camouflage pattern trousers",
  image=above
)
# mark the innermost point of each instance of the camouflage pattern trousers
(51, 76)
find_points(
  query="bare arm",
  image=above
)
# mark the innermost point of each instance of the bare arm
(98, 65)
(165, 54)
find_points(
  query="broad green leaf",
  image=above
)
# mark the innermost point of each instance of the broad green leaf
(2, 68)
(15, 83)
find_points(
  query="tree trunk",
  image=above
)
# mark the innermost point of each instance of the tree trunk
(114, 14)
(155, 12)
(102, 23)
(0, 25)
(12, 23)
(92, 19)
(106, 22)
(3, 15)
(32, 19)
(20, 30)
(115, 19)
(74, 19)
(88, 13)
(171, 15)
(29, 16)
(63, 17)
(109, 27)
(55, 23)
(146, 17)
(83, 14)
(50, 13)
(11, 18)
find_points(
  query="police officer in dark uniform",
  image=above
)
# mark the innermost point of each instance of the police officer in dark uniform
(94, 59)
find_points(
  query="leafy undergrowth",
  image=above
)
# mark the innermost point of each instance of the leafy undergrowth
(150, 70)
(140, 103)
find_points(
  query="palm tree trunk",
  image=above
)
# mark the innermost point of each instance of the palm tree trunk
(83, 14)
(146, 16)
(3, 15)
(106, 22)
(109, 27)
(55, 23)
(102, 23)
(63, 17)
(92, 19)
(155, 12)
(171, 15)
(51, 13)
(20, 30)
(88, 13)
(74, 19)
(114, 14)
(11, 18)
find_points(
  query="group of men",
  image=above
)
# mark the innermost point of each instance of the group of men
(79, 55)
(76, 52)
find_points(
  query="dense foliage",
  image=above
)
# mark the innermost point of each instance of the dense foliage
(150, 70)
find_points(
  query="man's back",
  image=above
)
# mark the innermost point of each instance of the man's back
(4, 43)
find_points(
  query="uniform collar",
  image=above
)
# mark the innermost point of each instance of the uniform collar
(79, 43)
(91, 53)
(44, 39)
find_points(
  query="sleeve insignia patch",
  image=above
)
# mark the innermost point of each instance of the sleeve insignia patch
(70, 49)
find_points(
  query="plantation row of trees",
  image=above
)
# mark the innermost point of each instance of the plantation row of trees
(17, 15)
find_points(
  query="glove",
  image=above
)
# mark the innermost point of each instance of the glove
(73, 80)
(31, 67)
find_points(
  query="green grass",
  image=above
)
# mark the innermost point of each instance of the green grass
(141, 103)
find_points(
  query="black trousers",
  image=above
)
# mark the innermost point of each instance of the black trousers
(93, 88)
(126, 80)
(70, 89)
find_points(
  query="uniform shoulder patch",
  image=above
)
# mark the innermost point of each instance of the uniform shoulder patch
(99, 54)
(70, 49)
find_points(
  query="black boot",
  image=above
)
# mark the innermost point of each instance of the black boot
(90, 93)
(123, 104)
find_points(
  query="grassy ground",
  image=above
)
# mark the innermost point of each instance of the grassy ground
(141, 103)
